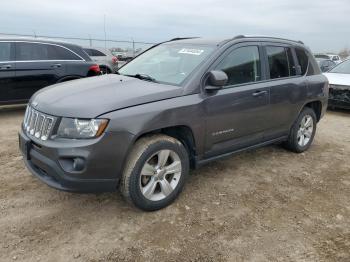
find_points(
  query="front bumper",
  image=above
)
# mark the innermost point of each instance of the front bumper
(339, 97)
(101, 161)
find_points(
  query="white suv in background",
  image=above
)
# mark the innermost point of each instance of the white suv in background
(335, 58)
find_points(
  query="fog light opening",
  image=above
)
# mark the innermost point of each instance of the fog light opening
(78, 164)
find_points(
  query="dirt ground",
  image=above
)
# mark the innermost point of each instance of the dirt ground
(264, 205)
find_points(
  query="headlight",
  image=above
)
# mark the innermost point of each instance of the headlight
(81, 128)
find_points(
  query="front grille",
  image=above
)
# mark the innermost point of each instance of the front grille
(37, 124)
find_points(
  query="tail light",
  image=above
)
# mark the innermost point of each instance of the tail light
(95, 68)
(114, 60)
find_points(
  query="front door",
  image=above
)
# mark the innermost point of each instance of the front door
(7, 72)
(236, 115)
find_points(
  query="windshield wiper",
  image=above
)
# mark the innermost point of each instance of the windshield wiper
(144, 77)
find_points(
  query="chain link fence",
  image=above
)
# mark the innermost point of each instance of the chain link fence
(128, 47)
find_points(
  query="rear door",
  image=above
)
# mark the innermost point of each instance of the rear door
(236, 116)
(287, 89)
(7, 71)
(37, 66)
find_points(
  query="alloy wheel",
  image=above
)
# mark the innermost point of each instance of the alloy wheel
(160, 175)
(305, 131)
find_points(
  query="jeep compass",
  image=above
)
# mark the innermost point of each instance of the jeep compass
(175, 107)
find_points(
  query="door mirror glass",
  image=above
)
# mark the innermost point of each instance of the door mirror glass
(216, 80)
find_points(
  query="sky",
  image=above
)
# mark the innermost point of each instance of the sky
(324, 25)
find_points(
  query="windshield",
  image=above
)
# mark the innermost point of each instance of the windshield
(168, 63)
(343, 68)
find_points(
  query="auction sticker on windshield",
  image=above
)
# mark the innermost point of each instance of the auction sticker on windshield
(191, 51)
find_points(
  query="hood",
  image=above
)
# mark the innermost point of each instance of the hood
(94, 96)
(338, 79)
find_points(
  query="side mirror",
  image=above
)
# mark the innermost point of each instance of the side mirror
(216, 80)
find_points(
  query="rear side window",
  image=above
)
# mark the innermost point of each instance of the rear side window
(38, 51)
(281, 62)
(60, 53)
(242, 65)
(31, 51)
(313, 69)
(303, 60)
(5, 51)
(94, 52)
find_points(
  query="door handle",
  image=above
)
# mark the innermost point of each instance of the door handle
(56, 65)
(260, 93)
(5, 67)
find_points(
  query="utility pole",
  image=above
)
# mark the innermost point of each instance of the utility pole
(133, 47)
(104, 28)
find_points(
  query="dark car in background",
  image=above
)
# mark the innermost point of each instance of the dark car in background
(325, 64)
(27, 65)
(104, 58)
(178, 105)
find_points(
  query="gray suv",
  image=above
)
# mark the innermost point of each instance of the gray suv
(177, 106)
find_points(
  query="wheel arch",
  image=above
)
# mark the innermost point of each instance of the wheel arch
(182, 133)
(315, 105)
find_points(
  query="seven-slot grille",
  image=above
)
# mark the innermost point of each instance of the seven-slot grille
(38, 124)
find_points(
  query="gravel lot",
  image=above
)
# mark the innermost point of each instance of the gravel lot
(264, 205)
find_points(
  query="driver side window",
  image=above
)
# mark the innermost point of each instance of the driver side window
(242, 65)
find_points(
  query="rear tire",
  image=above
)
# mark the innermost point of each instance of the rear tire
(105, 70)
(155, 172)
(302, 132)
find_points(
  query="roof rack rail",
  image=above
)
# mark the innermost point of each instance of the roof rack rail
(183, 38)
(272, 37)
(238, 37)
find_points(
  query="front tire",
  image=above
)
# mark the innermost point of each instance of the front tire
(302, 132)
(155, 172)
